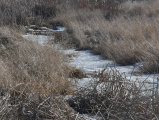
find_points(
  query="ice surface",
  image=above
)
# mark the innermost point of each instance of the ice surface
(91, 63)
(87, 61)
(41, 39)
(89, 117)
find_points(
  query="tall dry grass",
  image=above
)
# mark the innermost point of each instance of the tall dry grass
(13, 12)
(29, 61)
(112, 96)
(31, 78)
(131, 36)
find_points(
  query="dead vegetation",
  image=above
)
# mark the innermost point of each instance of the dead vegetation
(130, 36)
(32, 77)
(111, 96)
(28, 60)
(42, 107)
(13, 12)
(77, 73)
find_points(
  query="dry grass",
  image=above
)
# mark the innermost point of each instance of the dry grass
(131, 41)
(21, 12)
(31, 76)
(111, 96)
(78, 23)
(39, 108)
(77, 73)
(29, 62)
(130, 37)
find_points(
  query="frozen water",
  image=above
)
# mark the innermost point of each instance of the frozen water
(87, 61)
(60, 28)
(41, 39)
(91, 63)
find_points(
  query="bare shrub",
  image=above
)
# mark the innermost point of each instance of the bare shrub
(111, 96)
(39, 108)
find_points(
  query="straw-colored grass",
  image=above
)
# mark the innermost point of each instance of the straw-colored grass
(112, 96)
(30, 72)
(32, 76)
(128, 38)
(30, 62)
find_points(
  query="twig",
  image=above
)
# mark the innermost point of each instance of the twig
(43, 102)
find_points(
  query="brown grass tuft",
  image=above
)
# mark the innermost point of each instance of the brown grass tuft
(111, 96)
(77, 73)
(29, 63)
(31, 76)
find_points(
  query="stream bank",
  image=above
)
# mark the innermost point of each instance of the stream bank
(91, 64)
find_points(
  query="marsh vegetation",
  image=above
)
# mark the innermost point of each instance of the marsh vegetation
(36, 79)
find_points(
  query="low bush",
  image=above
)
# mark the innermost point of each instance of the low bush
(112, 96)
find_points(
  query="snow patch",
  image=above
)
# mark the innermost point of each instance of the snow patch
(41, 39)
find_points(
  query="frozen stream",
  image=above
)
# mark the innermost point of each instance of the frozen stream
(91, 63)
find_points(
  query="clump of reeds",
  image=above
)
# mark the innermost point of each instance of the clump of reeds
(42, 107)
(32, 76)
(112, 96)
